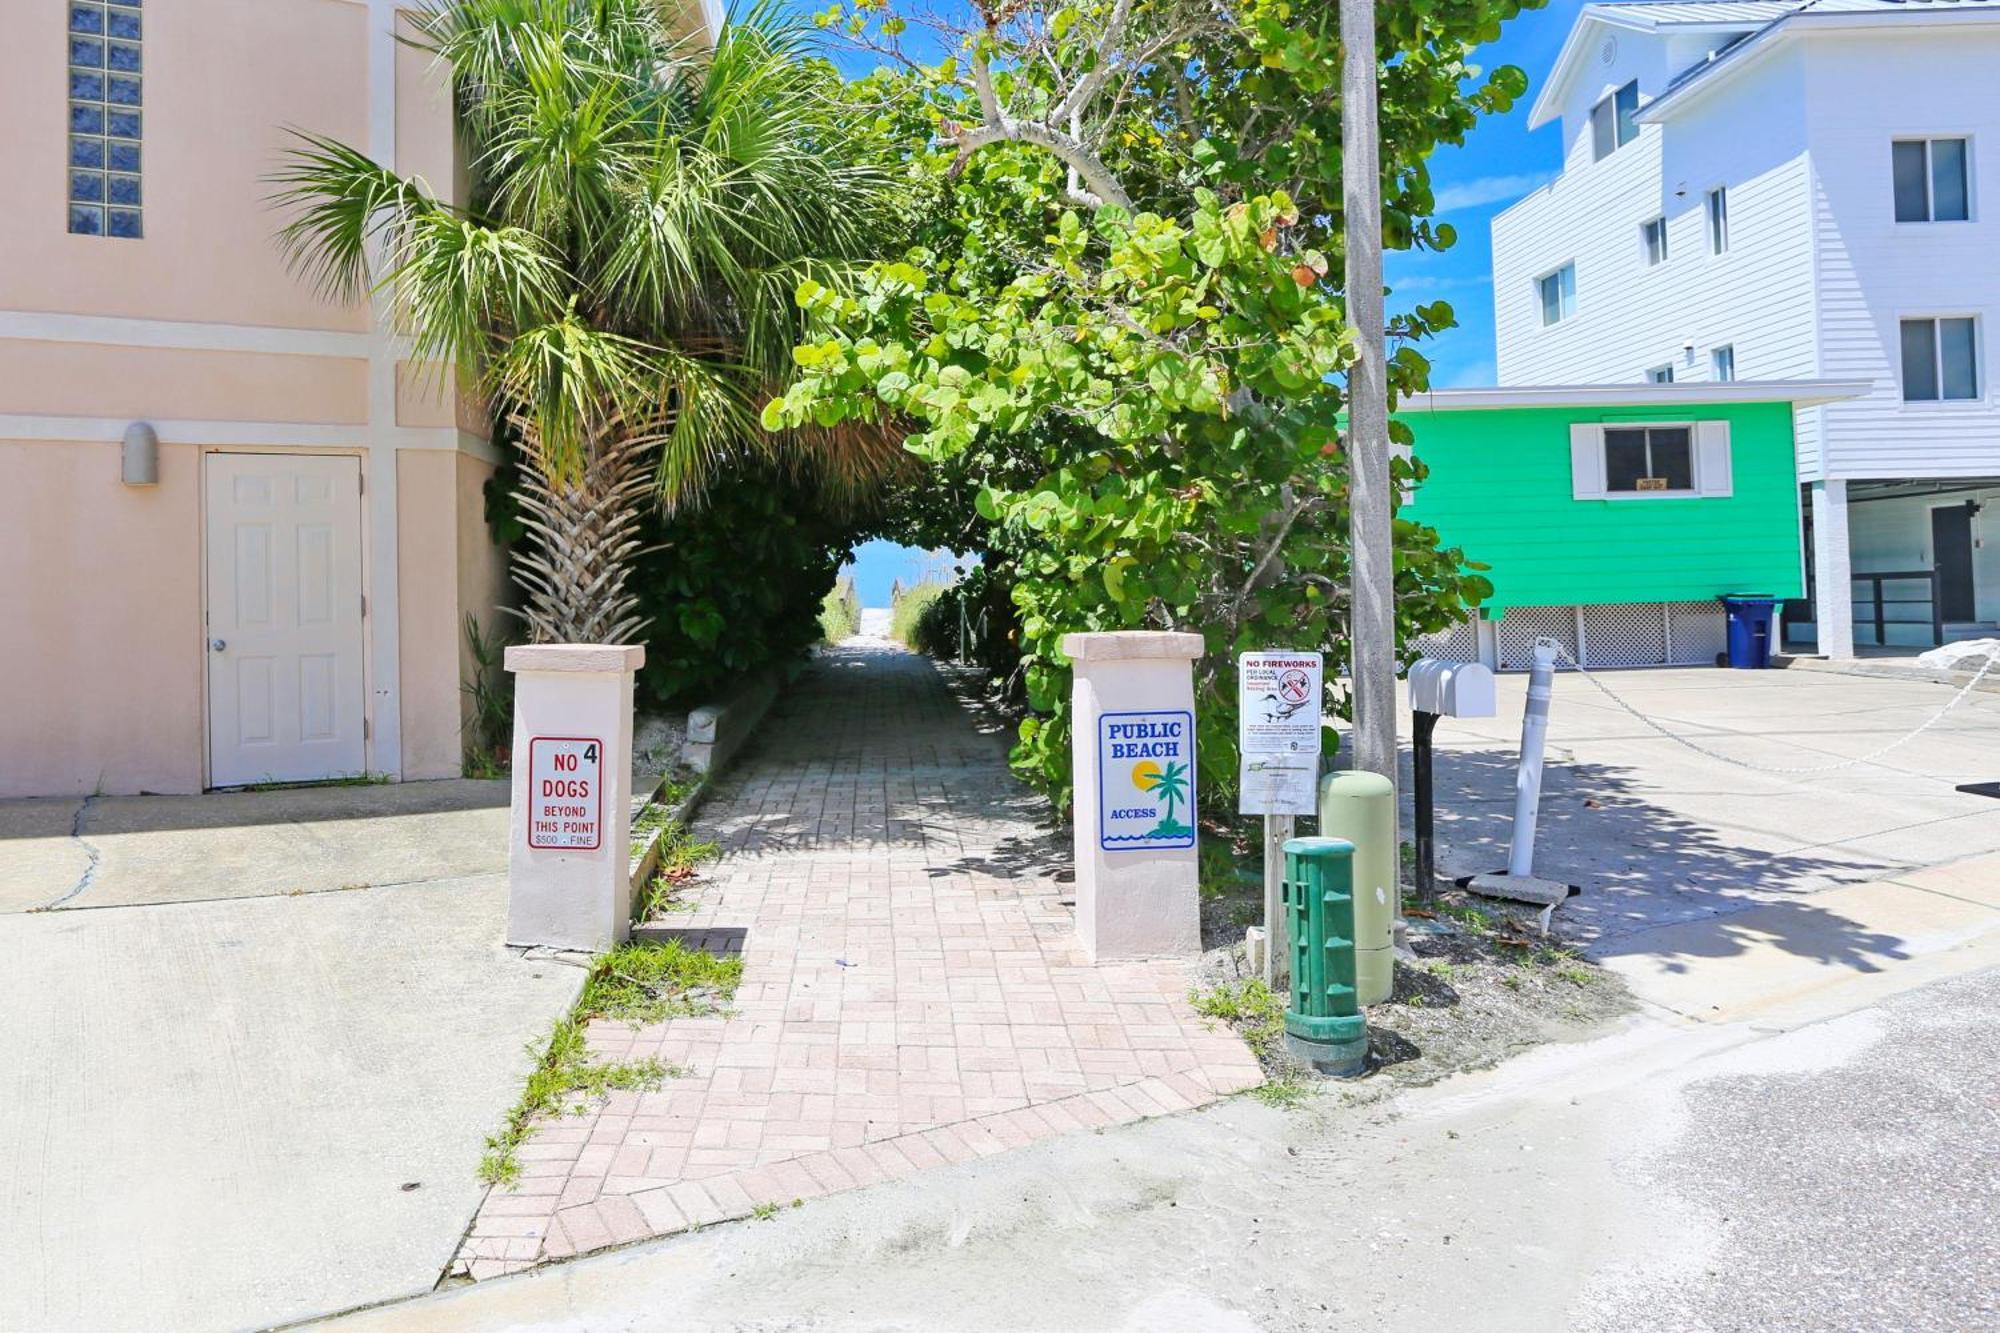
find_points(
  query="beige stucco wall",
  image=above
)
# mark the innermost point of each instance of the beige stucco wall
(447, 568)
(101, 675)
(427, 582)
(91, 380)
(223, 79)
(483, 585)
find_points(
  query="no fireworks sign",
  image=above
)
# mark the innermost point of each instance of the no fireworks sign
(1278, 731)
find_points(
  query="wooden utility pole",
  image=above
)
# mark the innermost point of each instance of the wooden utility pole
(1372, 576)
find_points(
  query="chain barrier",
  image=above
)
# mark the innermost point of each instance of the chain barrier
(1993, 659)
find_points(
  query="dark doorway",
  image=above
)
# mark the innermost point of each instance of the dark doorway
(1951, 555)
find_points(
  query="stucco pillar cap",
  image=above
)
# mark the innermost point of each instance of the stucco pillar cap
(1132, 644)
(600, 657)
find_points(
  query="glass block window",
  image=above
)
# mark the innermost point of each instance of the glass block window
(106, 116)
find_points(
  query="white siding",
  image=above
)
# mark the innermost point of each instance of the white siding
(1861, 94)
(1757, 296)
(1818, 273)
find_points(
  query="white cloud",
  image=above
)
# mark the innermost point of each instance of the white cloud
(1419, 283)
(1485, 190)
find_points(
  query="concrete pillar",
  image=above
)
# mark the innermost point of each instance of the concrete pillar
(1833, 592)
(1133, 762)
(568, 869)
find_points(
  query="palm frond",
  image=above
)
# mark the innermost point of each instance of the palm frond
(456, 283)
(342, 202)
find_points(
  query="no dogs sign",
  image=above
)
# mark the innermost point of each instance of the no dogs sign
(565, 793)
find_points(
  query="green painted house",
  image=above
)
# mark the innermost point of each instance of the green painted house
(1612, 516)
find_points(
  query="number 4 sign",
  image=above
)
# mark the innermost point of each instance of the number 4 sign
(565, 793)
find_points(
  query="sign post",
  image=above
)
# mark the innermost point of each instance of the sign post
(1281, 695)
(569, 881)
(1133, 764)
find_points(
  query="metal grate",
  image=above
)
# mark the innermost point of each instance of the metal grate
(1522, 625)
(1460, 643)
(1699, 632)
(1628, 635)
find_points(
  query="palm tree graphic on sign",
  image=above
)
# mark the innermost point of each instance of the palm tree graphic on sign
(1170, 784)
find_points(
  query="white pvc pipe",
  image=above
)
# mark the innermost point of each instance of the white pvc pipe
(1528, 780)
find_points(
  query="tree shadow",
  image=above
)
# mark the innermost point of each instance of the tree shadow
(1643, 867)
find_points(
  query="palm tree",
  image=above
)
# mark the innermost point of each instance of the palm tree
(1172, 786)
(620, 285)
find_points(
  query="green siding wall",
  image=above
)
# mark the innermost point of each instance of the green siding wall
(1500, 488)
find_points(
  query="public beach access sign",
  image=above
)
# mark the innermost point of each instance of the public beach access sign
(565, 793)
(1145, 781)
(1281, 695)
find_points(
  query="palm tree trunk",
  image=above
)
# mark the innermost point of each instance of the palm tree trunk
(588, 531)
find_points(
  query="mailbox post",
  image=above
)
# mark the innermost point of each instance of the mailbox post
(1438, 689)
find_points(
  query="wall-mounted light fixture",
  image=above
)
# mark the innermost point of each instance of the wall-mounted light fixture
(141, 463)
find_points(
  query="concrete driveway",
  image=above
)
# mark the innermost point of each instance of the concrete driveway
(247, 1064)
(116, 851)
(1658, 835)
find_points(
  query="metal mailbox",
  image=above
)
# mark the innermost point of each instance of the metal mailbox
(1451, 689)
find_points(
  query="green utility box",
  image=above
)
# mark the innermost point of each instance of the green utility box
(1323, 1022)
(1361, 808)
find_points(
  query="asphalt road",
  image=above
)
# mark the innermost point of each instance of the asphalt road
(1862, 1195)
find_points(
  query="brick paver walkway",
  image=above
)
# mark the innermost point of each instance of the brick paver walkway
(912, 991)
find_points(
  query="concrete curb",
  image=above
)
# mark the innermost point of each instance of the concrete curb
(1881, 669)
(646, 861)
(1777, 958)
(716, 732)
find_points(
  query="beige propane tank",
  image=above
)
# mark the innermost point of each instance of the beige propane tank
(1361, 807)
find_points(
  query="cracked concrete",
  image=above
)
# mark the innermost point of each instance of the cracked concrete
(119, 851)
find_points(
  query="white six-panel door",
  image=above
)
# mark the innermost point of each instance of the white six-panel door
(284, 646)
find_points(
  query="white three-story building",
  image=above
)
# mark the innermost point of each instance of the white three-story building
(1792, 189)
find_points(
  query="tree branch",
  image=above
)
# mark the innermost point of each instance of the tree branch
(1099, 186)
(1108, 46)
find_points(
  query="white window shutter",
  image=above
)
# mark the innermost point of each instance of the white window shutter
(1711, 469)
(1586, 460)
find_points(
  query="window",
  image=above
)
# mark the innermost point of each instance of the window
(105, 96)
(1655, 233)
(1940, 360)
(1931, 180)
(1660, 374)
(1722, 364)
(1558, 292)
(1642, 460)
(1648, 458)
(1611, 122)
(1718, 220)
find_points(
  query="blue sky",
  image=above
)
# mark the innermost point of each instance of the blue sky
(1499, 162)
(878, 565)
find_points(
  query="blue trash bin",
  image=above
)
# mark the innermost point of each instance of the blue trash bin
(1752, 626)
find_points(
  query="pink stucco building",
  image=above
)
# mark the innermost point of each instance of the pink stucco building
(287, 598)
